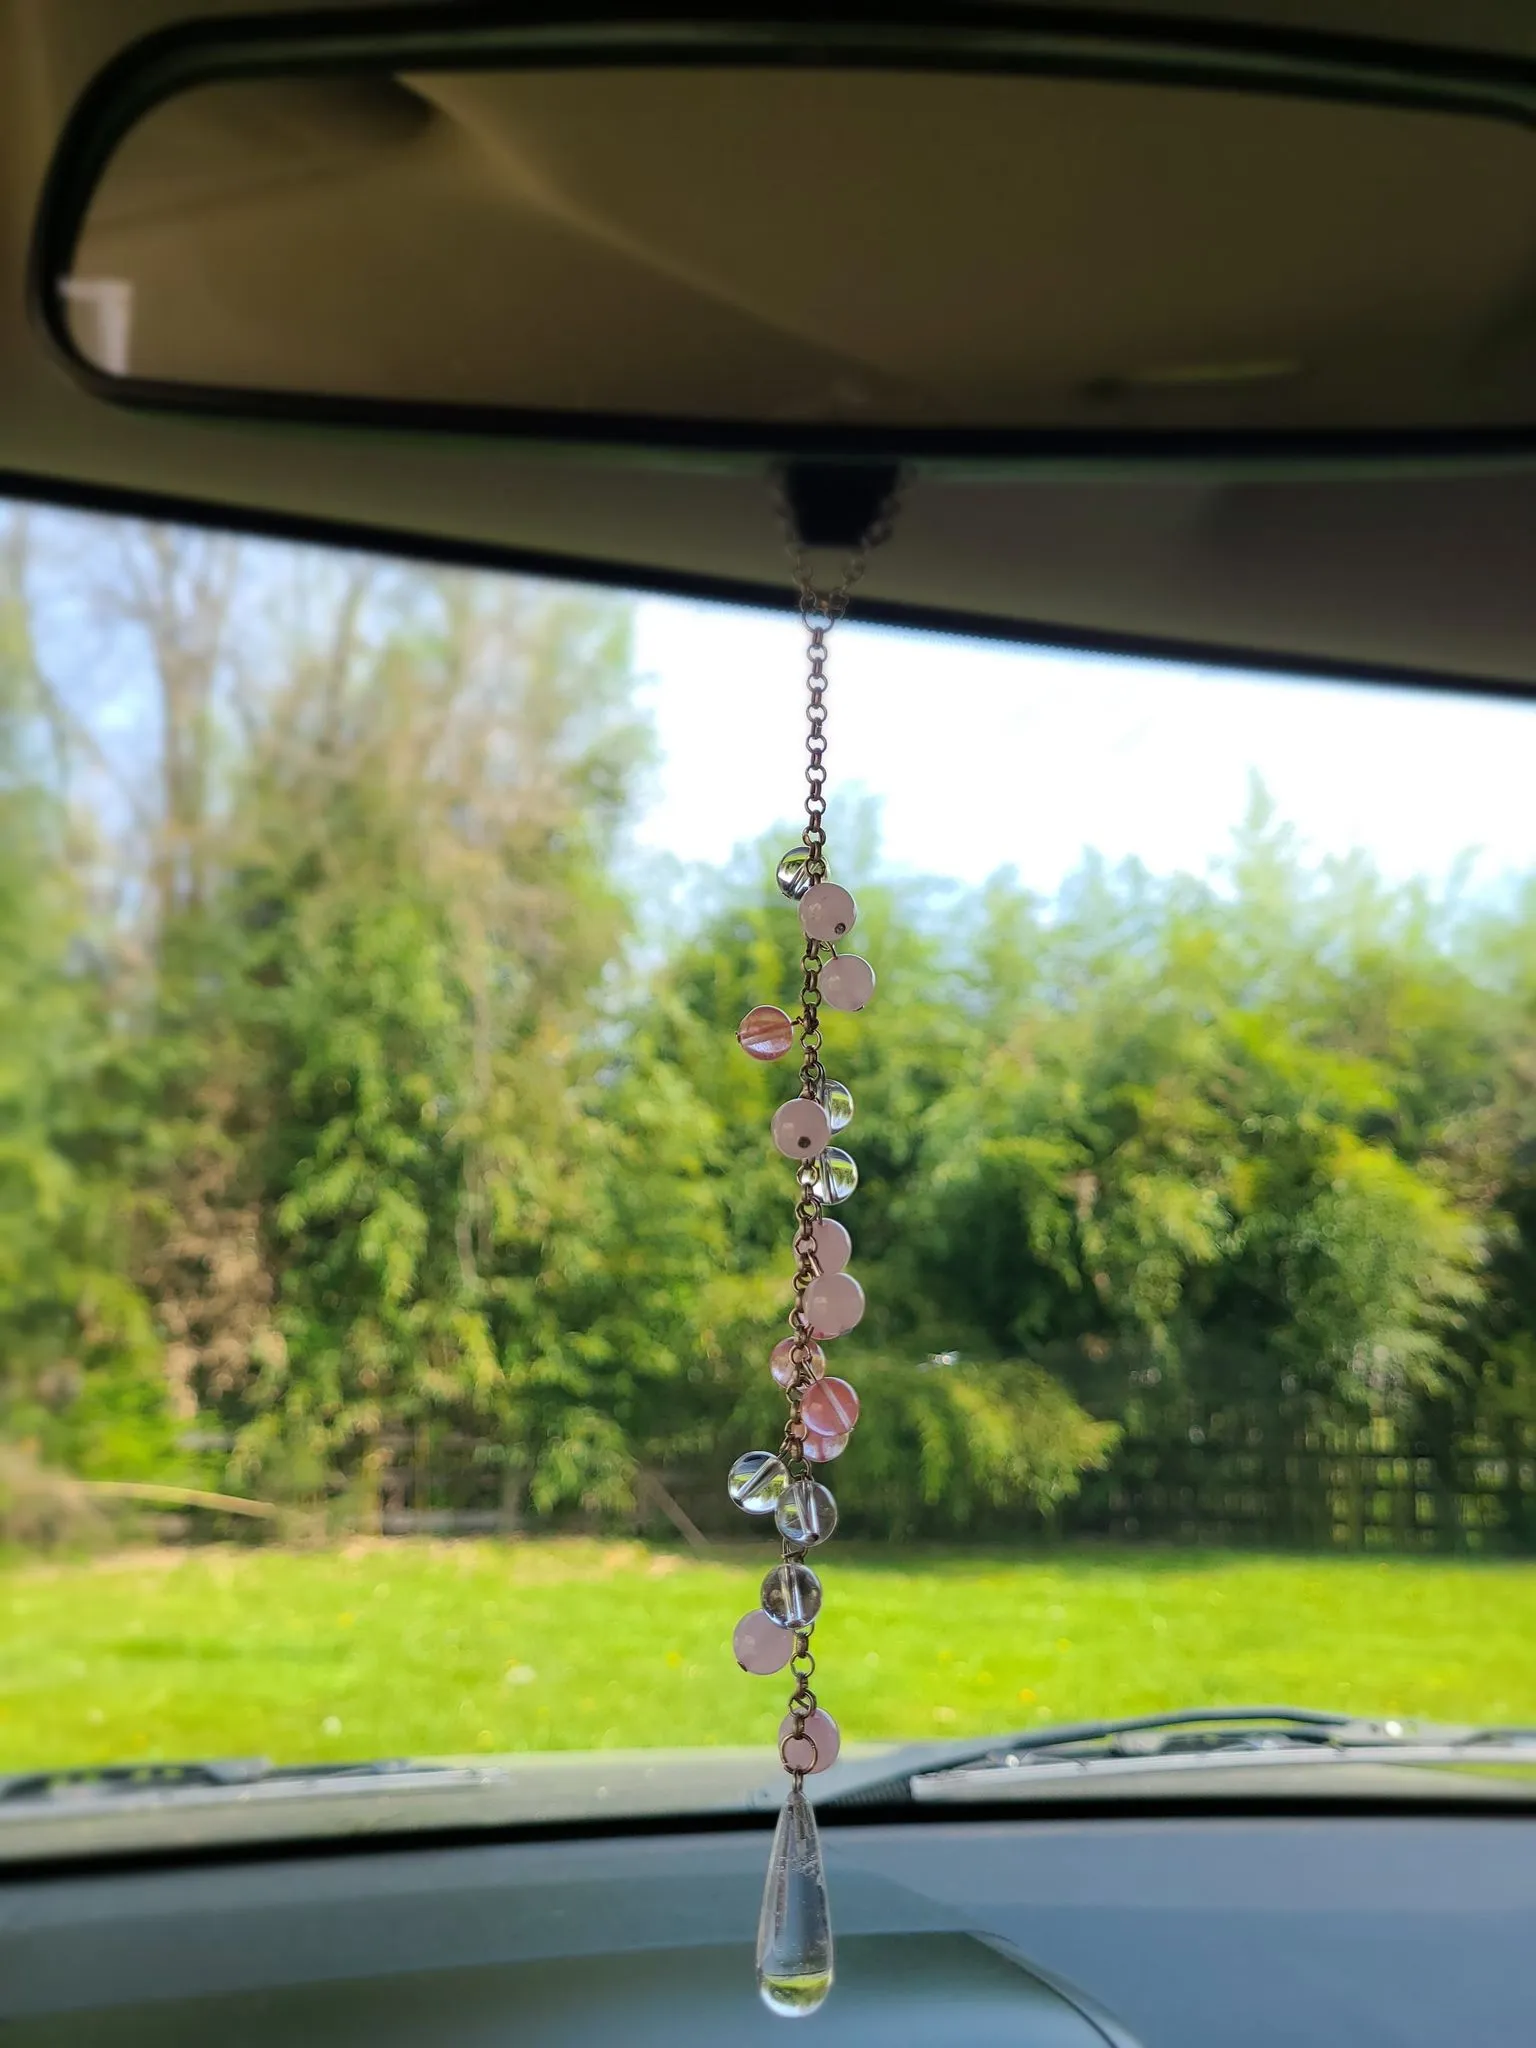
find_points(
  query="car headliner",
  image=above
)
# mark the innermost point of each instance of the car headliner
(1399, 569)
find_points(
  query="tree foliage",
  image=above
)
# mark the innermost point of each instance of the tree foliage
(353, 1109)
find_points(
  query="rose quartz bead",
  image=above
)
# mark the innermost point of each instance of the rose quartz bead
(815, 1750)
(831, 1245)
(781, 1361)
(827, 912)
(834, 1304)
(765, 1033)
(830, 1408)
(800, 1129)
(847, 983)
(821, 1450)
(761, 1645)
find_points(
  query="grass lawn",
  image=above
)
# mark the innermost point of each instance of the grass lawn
(378, 1649)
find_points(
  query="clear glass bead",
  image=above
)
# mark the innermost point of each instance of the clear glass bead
(765, 1033)
(837, 1102)
(834, 1304)
(791, 1595)
(790, 873)
(794, 1929)
(781, 1361)
(756, 1480)
(836, 1177)
(806, 1513)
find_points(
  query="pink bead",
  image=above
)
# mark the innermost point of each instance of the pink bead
(847, 983)
(831, 1244)
(827, 912)
(821, 1450)
(765, 1033)
(834, 1304)
(815, 1750)
(781, 1361)
(761, 1645)
(830, 1408)
(800, 1129)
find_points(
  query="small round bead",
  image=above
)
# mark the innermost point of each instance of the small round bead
(821, 1450)
(781, 1361)
(765, 1033)
(836, 1100)
(827, 912)
(791, 1595)
(756, 1480)
(806, 1513)
(847, 983)
(790, 873)
(815, 1749)
(837, 1177)
(760, 1645)
(830, 1408)
(831, 1245)
(834, 1304)
(800, 1128)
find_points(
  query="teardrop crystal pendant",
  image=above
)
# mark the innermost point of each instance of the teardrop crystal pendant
(794, 1930)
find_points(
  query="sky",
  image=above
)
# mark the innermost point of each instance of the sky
(987, 756)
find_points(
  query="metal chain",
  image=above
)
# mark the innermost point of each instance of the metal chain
(821, 606)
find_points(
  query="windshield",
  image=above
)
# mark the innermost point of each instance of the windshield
(391, 1249)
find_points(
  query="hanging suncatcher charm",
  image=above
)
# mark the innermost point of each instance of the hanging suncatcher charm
(794, 1937)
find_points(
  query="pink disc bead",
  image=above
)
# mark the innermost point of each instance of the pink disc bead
(761, 1646)
(831, 1245)
(830, 1408)
(815, 1750)
(821, 1450)
(834, 1304)
(765, 1033)
(781, 1361)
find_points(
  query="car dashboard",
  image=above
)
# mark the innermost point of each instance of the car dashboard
(1195, 1932)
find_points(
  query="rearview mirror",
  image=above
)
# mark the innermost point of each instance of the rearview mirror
(957, 241)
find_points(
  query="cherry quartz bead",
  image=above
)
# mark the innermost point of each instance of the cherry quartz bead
(781, 1361)
(827, 913)
(830, 1408)
(834, 1304)
(821, 1450)
(765, 1033)
(800, 1129)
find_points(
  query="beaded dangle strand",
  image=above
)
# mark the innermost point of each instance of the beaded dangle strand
(794, 1941)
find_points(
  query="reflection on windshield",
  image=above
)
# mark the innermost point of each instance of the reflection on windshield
(391, 1252)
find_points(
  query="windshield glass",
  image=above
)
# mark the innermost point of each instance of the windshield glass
(391, 1244)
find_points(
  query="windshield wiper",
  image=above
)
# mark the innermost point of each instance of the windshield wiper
(1190, 1738)
(80, 1782)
